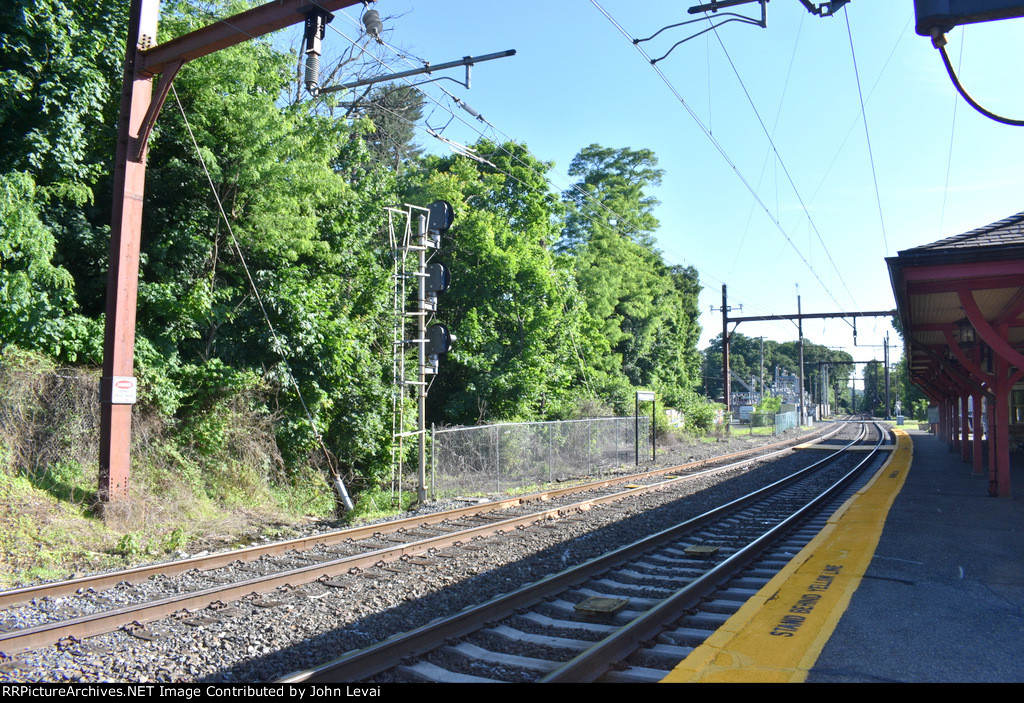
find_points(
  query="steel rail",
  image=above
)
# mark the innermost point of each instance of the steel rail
(68, 587)
(592, 663)
(100, 623)
(361, 664)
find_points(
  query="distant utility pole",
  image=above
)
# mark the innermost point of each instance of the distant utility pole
(726, 380)
(800, 329)
(888, 416)
(799, 317)
(761, 386)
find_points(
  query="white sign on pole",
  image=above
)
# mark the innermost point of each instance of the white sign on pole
(123, 390)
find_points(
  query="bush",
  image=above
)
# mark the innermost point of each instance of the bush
(699, 412)
(771, 405)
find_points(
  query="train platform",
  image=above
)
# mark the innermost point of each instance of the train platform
(918, 578)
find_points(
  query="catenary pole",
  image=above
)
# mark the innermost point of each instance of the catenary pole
(140, 107)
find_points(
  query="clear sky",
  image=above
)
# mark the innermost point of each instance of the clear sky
(823, 219)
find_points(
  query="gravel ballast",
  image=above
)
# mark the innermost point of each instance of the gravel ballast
(263, 638)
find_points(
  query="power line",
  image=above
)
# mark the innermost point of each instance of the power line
(867, 133)
(782, 163)
(952, 133)
(778, 114)
(266, 316)
(721, 150)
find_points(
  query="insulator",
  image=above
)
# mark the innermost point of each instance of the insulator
(371, 20)
(312, 73)
(469, 109)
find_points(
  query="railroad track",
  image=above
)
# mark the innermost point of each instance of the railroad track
(82, 608)
(608, 619)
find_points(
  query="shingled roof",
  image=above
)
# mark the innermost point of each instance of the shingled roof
(1004, 238)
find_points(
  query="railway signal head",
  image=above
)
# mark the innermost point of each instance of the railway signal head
(438, 278)
(439, 221)
(439, 342)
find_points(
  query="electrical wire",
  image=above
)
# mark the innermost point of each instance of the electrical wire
(721, 150)
(952, 133)
(546, 175)
(259, 299)
(940, 44)
(598, 205)
(853, 123)
(867, 133)
(782, 163)
(778, 114)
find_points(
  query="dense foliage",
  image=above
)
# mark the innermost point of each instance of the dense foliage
(561, 302)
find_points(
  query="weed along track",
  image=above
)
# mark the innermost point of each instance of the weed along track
(261, 612)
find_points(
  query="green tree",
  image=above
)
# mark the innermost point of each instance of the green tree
(643, 311)
(60, 67)
(513, 303)
(37, 303)
(394, 111)
(293, 285)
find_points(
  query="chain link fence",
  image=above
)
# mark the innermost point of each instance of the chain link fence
(786, 421)
(47, 415)
(495, 458)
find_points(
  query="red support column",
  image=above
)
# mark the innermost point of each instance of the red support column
(978, 434)
(949, 431)
(991, 437)
(123, 277)
(965, 430)
(999, 476)
(954, 422)
(144, 59)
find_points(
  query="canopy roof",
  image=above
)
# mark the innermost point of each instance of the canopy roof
(976, 277)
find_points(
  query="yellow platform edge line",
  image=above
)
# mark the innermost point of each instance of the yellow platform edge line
(778, 634)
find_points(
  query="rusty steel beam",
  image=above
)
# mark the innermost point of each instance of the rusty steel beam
(233, 30)
(144, 59)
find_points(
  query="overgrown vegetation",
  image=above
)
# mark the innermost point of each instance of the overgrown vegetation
(249, 398)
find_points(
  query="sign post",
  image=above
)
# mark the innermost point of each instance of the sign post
(644, 396)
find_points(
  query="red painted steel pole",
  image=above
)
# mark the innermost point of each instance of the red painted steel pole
(123, 277)
(979, 462)
(139, 106)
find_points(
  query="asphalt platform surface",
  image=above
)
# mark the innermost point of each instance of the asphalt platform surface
(943, 597)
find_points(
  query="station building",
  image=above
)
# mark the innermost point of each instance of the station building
(960, 303)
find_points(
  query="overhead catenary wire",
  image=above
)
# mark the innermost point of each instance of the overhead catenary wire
(721, 150)
(782, 163)
(952, 133)
(867, 132)
(705, 275)
(618, 218)
(598, 205)
(778, 114)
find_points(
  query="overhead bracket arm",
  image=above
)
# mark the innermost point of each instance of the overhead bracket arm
(713, 7)
(139, 143)
(466, 61)
(825, 9)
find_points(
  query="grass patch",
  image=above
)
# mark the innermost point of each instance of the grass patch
(45, 538)
(379, 504)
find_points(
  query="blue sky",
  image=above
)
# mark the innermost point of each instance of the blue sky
(818, 227)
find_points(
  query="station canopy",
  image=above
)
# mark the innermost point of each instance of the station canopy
(960, 303)
(962, 291)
